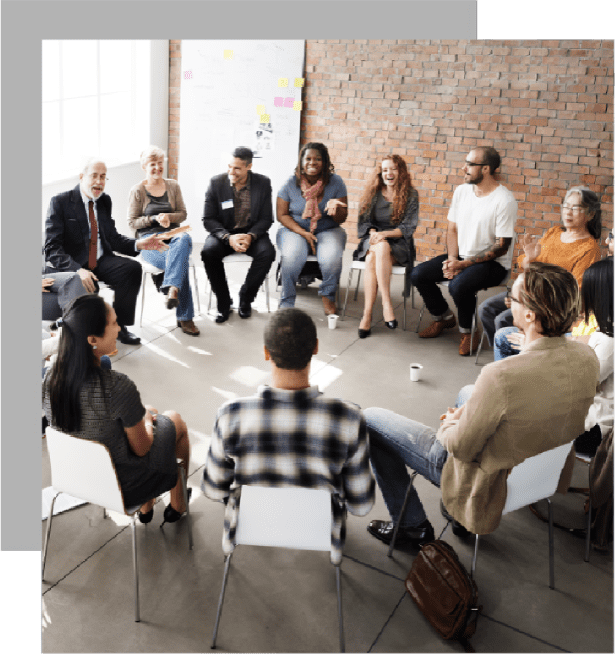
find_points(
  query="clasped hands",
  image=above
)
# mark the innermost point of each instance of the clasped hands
(452, 267)
(240, 242)
(452, 414)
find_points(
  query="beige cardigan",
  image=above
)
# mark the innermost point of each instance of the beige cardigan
(138, 200)
(520, 406)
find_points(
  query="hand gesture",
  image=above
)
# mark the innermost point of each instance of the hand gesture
(531, 247)
(516, 340)
(240, 242)
(311, 239)
(153, 242)
(87, 279)
(47, 282)
(332, 205)
(163, 220)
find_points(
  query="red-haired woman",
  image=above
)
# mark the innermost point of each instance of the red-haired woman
(388, 215)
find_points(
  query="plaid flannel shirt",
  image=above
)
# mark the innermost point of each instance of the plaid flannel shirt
(290, 438)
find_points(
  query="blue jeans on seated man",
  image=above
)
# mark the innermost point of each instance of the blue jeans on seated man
(494, 314)
(502, 347)
(294, 251)
(396, 442)
(175, 263)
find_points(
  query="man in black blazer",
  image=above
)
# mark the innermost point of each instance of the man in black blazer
(71, 219)
(238, 214)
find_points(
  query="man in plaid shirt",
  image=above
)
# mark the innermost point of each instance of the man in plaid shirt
(289, 434)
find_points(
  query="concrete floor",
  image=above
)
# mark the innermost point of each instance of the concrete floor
(284, 600)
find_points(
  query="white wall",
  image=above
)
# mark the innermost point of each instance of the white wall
(123, 177)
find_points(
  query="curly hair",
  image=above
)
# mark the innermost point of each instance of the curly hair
(328, 169)
(376, 183)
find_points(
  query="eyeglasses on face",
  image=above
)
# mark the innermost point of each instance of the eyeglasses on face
(472, 163)
(575, 208)
(509, 295)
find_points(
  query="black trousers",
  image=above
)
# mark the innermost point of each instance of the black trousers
(214, 250)
(124, 276)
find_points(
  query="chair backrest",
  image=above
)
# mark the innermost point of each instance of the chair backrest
(293, 517)
(535, 478)
(84, 470)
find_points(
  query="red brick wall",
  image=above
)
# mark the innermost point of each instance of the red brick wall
(175, 62)
(546, 106)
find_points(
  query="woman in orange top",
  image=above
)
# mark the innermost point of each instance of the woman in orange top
(573, 245)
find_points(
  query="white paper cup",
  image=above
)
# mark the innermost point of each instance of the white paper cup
(415, 371)
(332, 321)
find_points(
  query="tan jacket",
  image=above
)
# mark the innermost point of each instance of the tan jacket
(520, 406)
(138, 200)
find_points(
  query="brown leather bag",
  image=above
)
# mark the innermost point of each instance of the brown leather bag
(442, 588)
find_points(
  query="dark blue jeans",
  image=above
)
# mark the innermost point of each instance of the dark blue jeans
(462, 287)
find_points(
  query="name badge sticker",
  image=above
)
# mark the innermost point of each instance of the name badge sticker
(227, 204)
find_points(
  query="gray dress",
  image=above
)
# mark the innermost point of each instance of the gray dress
(108, 406)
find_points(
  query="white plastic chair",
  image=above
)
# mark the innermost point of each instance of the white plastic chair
(360, 266)
(291, 517)
(149, 269)
(533, 480)
(240, 257)
(587, 459)
(84, 469)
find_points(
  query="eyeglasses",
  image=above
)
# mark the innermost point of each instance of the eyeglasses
(509, 296)
(471, 163)
(575, 208)
(609, 236)
(95, 176)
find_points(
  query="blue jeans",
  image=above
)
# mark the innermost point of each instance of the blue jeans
(502, 348)
(494, 315)
(175, 262)
(294, 250)
(396, 442)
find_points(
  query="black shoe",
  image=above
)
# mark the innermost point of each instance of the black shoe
(458, 528)
(391, 324)
(223, 315)
(245, 310)
(364, 333)
(128, 338)
(146, 518)
(171, 515)
(417, 536)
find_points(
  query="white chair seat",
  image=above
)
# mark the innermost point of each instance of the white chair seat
(241, 257)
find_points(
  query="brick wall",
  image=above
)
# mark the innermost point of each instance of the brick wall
(546, 106)
(175, 62)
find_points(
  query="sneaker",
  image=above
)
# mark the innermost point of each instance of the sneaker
(437, 327)
(464, 345)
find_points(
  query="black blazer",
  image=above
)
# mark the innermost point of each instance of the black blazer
(219, 221)
(67, 240)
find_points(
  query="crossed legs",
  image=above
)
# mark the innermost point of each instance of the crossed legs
(378, 269)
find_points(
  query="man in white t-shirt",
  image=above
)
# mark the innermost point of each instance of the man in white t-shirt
(481, 225)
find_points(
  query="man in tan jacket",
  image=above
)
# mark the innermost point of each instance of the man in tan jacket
(519, 407)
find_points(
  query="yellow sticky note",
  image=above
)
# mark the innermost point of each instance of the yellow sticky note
(297, 104)
(260, 109)
(265, 118)
(228, 54)
(283, 81)
(299, 81)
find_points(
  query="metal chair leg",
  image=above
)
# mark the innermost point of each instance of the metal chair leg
(418, 324)
(338, 580)
(473, 569)
(227, 565)
(347, 291)
(196, 289)
(142, 297)
(480, 347)
(182, 473)
(401, 514)
(267, 292)
(47, 534)
(404, 323)
(356, 290)
(589, 529)
(133, 526)
(551, 561)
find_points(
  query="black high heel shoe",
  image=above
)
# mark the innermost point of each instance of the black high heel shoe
(146, 518)
(391, 324)
(364, 333)
(171, 515)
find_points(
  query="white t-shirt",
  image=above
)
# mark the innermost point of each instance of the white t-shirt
(480, 221)
(601, 411)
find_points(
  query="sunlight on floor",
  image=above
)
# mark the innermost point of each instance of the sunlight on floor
(158, 350)
(250, 376)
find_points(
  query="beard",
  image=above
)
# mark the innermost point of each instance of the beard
(476, 180)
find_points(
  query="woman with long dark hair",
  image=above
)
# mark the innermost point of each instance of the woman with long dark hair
(388, 215)
(86, 401)
(311, 206)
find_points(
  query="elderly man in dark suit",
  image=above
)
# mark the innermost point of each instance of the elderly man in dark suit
(80, 236)
(238, 214)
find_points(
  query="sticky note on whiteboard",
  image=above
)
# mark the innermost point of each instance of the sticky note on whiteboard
(283, 81)
(265, 118)
(297, 105)
(260, 109)
(228, 54)
(299, 81)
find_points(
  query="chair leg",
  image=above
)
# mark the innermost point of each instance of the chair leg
(182, 473)
(404, 323)
(196, 289)
(474, 322)
(551, 562)
(401, 514)
(338, 581)
(480, 347)
(418, 324)
(142, 297)
(227, 565)
(356, 290)
(267, 292)
(47, 534)
(133, 526)
(347, 291)
(589, 529)
(473, 569)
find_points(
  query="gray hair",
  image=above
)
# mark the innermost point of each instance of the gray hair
(151, 153)
(90, 162)
(591, 202)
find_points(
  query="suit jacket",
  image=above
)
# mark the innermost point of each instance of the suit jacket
(520, 406)
(67, 239)
(219, 221)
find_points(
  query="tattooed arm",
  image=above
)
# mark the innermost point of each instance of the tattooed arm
(495, 250)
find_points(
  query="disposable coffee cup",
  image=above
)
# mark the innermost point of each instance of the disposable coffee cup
(415, 371)
(332, 321)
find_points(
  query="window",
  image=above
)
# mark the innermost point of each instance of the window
(96, 102)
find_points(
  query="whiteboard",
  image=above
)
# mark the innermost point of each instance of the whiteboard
(229, 89)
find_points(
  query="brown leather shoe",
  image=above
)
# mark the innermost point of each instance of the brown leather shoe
(437, 327)
(172, 299)
(464, 345)
(188, 327)
(329, 306)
